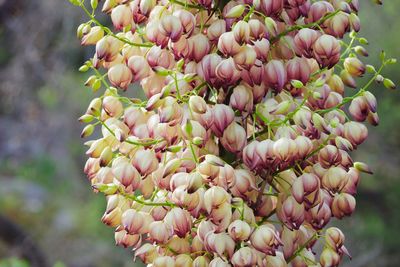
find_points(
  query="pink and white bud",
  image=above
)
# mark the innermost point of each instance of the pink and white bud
(136, 222)
(171, 27)
(120, 76)
(147, 253)
(239, 230)
(199, 46)
(122, 238)
(93, 36)
(180, 220)
(215, 30)
(121, 16)
(275, 75)
(145, 161)
(160, 232)
(343, 205)
(335, 179)
(228, 45)
(223, 116)
(355, 132)
(304, 41)
(139, 68)
(227, 72)
(243, 257)
(327, 51)
(234, 138)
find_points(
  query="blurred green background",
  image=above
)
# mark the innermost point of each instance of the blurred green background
(43, 191)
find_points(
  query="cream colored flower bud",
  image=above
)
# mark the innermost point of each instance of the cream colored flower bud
(183, 260)
(147, 253)
(241, 32)
(145, 161)
(120, 76)
(239, 230)
(121, 16)
(335, 179)
(93, 36)
(234, 138)
(201, 261)
(197, 104)
(160, 232)
(214, 197)
(112, 106)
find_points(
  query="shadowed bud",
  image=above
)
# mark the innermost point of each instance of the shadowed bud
(329, 156)
(245, 58)
(93, 36)
(298, 69)
(355, 132)
(265, 239)
(329, 258)
(215, 30)
(171, 26)
(304, 41)
(306, 189)
(275, 75)
(343, 205)
(335, 179)
(354, 66)
(291, 213)
(146, 253)
(347, 79)
(327, 51)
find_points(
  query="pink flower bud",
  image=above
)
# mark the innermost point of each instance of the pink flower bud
(218, 262)
(139, 68)
(214, 197)
(298, 69)
(221, 244)
(329, 156)
(108, 48)
(160, 232)
(234, 138)
(304, 42)
(243, 257)
(199, 46)
(359, 109)
(304, 146)
(121, 16)
(145, 161)
(270, 8)
(291, 213)
(335, 179)
(257, 29)
(355, 132)
(206, 68)
(275, 75)
(241, 32)
(122, 238)
(343, 205)
(284, 149)
(125, 173)
(135, 222)
(265, 239)
(223, 116)
(319, 216)
(120, 76)
(319, 10)
(227, 72)
(147, 253)
(267, 206)
(327, 51)
(187, 20)
(261, 47)
(154, 34)
(180, 220)
(157, 57)
(215, 30)
(239, 230)
(201, 261)
(227, 44)
(171, 27)
(306, 189)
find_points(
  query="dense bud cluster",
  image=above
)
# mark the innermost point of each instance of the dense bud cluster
(240, 153)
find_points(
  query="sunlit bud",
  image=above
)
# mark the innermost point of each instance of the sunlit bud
(302, 117)
(146, 6)
(187, 20)
(154, 35)
(215, 30)
(275, 75)
(329, 258)
(219, 262)
(122, 238)
(265, 150)
(355, 22)
(261, 47)
(347, 79)
(320, 215)
(298, 69)
(197, 104)
(157, 57)
(327, 51)
(201, 261)
(135, 222)
(171, 26)
(336, 84)
(147, 253)
(304, 41)
(239, 230)
(160, 232)
(183, 260)
(329, 156)
(93, 36)
(108, 6)
(235, 12)
(362, 167)
(284, 149)
(245, 58)
(120, 76)
(244, 256)
(223, 116)
(335, 179)
(306, 189)
(126, 173)
(145, 161)
(355, 132)
(112, 218)
(91, 168)
(108, 48)
(180, 220)
(291, 213)
(227, 44)
(121, 16)
(214, 197)
(96, 148)
(234, 138)
(221, 243)
(304, 146)
(241, 32)
(139, 68)
(199, 46)
(354, 66)
(112, 106)
(164, 261)
(265, 239)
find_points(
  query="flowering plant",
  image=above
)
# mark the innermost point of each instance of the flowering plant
(239, 153)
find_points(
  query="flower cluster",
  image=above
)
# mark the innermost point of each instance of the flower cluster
(240, 153)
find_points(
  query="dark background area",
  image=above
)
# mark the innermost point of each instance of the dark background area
(43, 191)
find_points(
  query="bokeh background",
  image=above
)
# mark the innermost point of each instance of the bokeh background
(48, 213)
